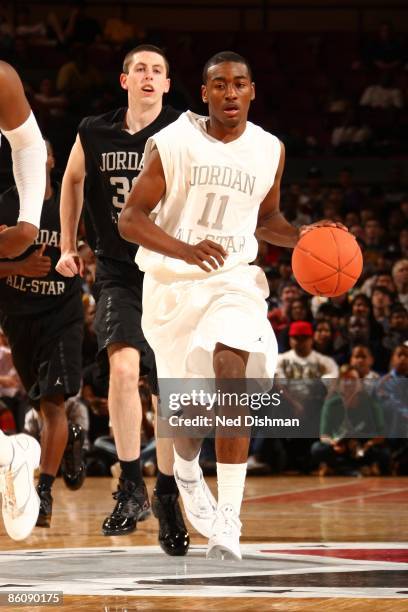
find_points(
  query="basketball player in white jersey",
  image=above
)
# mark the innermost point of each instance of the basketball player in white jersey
(20, 454)
(204, 310)
(105, 159)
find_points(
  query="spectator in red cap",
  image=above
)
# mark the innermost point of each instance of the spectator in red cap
(302, 361)
(300, 371)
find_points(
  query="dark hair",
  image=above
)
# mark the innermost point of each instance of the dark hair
(324, 322)
(146, 47)
(327, 310)
(362, 297)
(225, 56)
(398, 308)
(402, 346)
(363, 345)
(383, 290)
(329, 348)
(286, 284)
(305, 304)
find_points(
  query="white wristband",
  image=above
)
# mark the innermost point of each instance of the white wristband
(29, 156)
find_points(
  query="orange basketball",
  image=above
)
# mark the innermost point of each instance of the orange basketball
(327, 261)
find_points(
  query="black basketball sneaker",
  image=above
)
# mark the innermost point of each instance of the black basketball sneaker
(73, 467)
(132, 505)
(45, 512)
(173, 535)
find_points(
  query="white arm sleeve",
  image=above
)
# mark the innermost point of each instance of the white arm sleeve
(29, 156)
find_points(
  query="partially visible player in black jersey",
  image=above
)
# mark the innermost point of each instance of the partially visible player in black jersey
(41, 314)
(20, 454)
(107, 157)
(28, 153)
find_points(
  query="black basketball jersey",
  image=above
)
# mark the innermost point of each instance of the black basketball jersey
(113, 160)
(27, 296)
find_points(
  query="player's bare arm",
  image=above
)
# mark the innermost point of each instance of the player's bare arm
(135, 224)
(29, 154)
(14, 108)
(35, 265)
(72, 195)
(272, 225)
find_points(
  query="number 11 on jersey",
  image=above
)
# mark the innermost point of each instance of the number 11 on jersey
(205, 215)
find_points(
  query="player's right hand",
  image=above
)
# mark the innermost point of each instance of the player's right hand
(323, 223)
(70, 264)
(36, 264)
(205, 252)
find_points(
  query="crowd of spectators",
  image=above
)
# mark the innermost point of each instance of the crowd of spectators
(357, 340)
(361, 336)
(316, 99)
(353, 348)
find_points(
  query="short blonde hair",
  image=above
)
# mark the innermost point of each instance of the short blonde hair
(152, 48)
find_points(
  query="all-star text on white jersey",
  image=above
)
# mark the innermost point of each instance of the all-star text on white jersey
(214, 191)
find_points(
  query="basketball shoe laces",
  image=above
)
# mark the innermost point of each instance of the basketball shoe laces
(125, 499)
(7, 490)
(121, 497)
(229, 523)
(198, 495)
(227, 527)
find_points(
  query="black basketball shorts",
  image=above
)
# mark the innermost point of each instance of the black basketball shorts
(47, 349)
(118, 294)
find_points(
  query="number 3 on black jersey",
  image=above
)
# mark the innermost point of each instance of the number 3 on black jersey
(122, 189)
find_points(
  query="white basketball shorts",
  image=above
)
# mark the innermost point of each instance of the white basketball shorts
(184, 320)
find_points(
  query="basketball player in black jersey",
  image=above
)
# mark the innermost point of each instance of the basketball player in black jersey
(41, 314)
(20, 454)
(107, 157)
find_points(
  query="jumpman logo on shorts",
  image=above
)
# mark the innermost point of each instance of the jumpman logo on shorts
(58, 381)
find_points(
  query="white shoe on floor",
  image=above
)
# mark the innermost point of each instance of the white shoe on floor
(20, 502)
(199, 503)
(224, 540)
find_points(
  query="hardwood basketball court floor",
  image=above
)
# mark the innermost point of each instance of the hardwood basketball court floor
(309, 544)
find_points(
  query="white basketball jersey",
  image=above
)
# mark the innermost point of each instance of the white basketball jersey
(214, 191)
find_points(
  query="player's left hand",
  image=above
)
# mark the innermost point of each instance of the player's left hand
(207, 255)
(323, 223)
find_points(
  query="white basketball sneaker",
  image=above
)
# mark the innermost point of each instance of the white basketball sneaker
(199, 503)
(224, 540)
(20, 502)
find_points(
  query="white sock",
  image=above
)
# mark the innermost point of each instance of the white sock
(187, 470)
(231, 483)
(6, 449)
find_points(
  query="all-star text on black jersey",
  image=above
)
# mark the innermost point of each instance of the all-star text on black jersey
(113, 160)
(28, 296)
